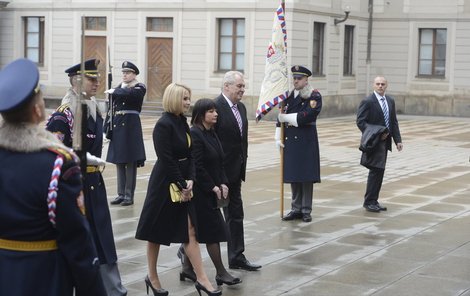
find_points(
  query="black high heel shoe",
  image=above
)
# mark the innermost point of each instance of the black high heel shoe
(187, 275)
(156, 292)
(200, 287)
(219, 280)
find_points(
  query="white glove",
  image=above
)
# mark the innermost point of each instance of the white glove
(277, 137)
(109, 91)
(290, 118)
(124, 85)
(93, 160)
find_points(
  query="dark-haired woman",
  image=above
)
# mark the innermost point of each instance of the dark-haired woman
(209, 189)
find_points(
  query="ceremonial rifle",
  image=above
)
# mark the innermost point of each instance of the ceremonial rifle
(81, 112)
(110, 113)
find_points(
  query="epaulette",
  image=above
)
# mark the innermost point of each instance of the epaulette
(68, 155)
(62, 108)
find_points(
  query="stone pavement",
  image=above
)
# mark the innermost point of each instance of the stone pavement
(420, 246)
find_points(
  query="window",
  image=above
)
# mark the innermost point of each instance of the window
(348, 50)
(95, 23)
(318, 41)
(34, 39)
(231, 45)
(160, 24)
(432, 52)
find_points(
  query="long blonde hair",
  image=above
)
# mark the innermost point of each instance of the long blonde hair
(173, 98)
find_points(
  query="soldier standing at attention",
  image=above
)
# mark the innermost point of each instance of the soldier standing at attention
(301, 150)
(96, 203)
(46, 247)
(126, 148)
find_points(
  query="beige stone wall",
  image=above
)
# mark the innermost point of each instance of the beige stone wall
(394, 45)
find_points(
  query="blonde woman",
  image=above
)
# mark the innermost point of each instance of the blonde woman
(163, 221)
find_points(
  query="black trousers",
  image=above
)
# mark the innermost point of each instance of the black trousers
(374, 184)
(234, 218)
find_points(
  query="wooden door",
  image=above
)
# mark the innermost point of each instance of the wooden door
(95, 48)
(159, 66)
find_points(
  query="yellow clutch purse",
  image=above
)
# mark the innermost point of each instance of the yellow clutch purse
(176, 193)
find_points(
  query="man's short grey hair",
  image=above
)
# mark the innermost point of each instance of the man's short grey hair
(230, 76)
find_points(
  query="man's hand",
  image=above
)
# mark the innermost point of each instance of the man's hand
(399, 146)
(109, 91)
(277, 138)
(93, 160)
(290, 118)
(224, 189)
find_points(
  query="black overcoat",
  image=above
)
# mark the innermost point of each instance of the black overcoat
(161, 220)
(301, 149)
(208, 158)
(127, 144)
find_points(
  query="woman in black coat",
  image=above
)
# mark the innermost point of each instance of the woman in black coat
(210, 189)
(163, 221)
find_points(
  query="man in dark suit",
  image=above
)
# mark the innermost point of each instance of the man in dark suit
(378, 109)
(232, 130)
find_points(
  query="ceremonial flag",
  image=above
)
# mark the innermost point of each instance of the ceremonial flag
(275, 86)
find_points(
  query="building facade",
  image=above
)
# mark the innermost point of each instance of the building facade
(421, 47)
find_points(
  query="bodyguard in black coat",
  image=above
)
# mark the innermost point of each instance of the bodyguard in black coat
(46, 246)
(126, 148)
(232, 130)
(378, 109)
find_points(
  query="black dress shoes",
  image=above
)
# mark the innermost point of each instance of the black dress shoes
(117, 201)
(229, 282)
(372, 208)
(292, 216)
(244, 264)
(127, 202)
(306, 217)
(190, 275)
(382, 208)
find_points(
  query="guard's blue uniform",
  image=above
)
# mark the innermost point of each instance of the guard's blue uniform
(46, 247)
(301, 151)
(96, 204)
(24, 183)
(127, 144)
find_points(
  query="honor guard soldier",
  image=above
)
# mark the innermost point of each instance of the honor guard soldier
(301, 151)
(126, 148)
(61, 123)
(46, 246)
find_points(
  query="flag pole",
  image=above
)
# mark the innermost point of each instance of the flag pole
(275, 86)
(281, 150)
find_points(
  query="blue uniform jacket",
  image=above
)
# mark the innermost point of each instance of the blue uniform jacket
(127, 143)
(96, 204)
(301, 150)
(25, 181)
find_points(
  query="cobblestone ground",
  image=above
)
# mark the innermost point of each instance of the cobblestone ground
(420, 246)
